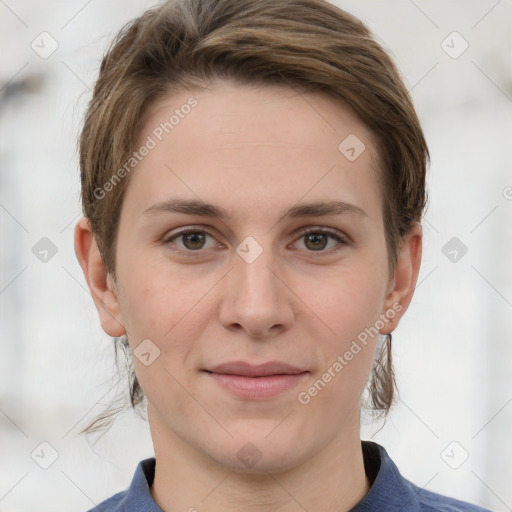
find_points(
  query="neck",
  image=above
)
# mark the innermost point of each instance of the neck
(189, 480)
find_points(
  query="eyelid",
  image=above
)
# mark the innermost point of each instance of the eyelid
(325, 230)
(182, 231)
(339, 236)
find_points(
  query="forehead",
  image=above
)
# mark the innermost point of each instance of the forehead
(239, 144)
(247, 108)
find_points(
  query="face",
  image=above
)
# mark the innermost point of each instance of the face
(270, 281)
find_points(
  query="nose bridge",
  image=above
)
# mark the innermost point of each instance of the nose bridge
(254, 272)
(255, 297)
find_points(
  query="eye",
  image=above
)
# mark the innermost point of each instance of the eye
(317, 239)
(193, 240)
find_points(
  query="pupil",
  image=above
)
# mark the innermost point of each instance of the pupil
(198, 238)
(316, 237)
(194, 237)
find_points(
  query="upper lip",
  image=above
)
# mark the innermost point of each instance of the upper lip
(249, 370)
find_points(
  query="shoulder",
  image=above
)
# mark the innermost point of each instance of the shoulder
(112, 504)
(432, 502)
(390, 491)
(137, 496)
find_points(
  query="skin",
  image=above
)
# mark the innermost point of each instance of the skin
(254, 151)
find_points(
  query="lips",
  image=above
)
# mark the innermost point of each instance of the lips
(256, 382)
(262, 370)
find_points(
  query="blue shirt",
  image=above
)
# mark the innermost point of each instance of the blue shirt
(389, 492)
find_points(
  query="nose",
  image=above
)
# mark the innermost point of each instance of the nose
(256, 297)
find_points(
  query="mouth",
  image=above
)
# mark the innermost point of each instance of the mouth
(256, 382)
(261, 370)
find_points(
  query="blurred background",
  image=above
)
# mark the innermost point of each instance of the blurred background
(450, 430)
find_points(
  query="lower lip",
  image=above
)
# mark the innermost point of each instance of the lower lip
(256, 388)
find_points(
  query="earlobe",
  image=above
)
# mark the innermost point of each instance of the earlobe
(100, 282)
(400, 294)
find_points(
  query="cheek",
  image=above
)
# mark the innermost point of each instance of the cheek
(170, 308)
(159, 298)
(349, 302)
(347, 356)
(349, 307)
(165, 308)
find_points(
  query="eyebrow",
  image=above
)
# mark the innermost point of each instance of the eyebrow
(203, 209)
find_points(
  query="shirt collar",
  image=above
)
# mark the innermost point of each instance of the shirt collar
(139, 496)
(389, 491)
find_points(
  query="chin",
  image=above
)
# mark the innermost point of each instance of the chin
(257, 454)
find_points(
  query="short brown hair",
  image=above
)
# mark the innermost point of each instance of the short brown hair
(309, 45)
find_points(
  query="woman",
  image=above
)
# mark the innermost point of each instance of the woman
(253, 183)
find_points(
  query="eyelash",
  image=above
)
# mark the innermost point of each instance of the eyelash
(303, 232)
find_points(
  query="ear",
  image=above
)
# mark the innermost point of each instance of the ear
(102, 286)
(401, 288)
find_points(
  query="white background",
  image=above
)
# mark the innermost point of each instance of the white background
(452, 351)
